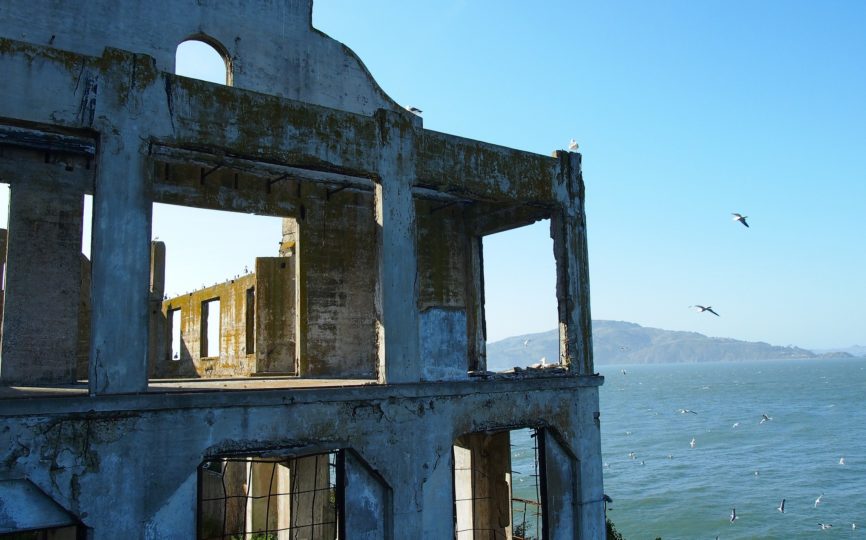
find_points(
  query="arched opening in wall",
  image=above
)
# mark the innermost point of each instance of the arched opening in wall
(204, 59)
(499, 485)
(520, 304)
(272, 497)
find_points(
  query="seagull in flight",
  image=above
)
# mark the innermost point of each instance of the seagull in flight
(705, 308)
(818, 500)
(740, 217)
(684, 411)
(841, 461)
(526, 342)
(733, 514)
(692, 443)
(572, 145)
(781, 507)
(765, 418)
(736, 424)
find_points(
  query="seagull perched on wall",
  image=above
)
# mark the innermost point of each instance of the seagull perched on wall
(414, 110)
(572, 145)
(741, 218)
(705, 308)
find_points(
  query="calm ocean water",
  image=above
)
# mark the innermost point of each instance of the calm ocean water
(818, 411)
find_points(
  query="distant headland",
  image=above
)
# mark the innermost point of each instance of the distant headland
(619, 342)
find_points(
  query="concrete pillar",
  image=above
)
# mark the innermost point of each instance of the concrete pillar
(397, 276)
(588, 479)
(560, 488)
(366, 503)
(568, 230)
(43, 286)
(160, 342)
(121, 267)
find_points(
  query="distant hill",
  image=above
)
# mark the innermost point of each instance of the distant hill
(617, 342)
(853, 350)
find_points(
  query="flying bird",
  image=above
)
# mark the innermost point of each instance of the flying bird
(781, 507)
(740, 217)
(765, 418)
(818, 500)
(733, 514)
(707, 308)
(572, 145)
(684, 411)
(692, 443)
(526, 342)
(736, 424)
(841, 461)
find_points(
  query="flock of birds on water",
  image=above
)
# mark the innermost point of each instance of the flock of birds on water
(733, 515)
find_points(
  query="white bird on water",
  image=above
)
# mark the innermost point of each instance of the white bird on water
(572, 145)
(736, 424)
(781, 507)
(818, 500)
(740, 217)
(705, 308)
(841, 461)
(684, 411)
(733, 514)
(825, 526)
(692, 443)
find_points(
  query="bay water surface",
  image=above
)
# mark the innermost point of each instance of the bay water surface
(661, 486)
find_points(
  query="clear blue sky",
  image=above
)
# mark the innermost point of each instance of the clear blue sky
(685, 112)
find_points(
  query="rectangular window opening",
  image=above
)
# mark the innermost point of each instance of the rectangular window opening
(250, 312)
(210, 328)
(271, 497)
(520, 304)
(197, 256)
(174, 318)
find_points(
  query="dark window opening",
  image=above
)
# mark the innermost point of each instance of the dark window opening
(250, 312)
(279, 497)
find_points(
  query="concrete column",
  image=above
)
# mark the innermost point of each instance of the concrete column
(568, 229)
(397, 276)
(560, 488)
(366, 509)
(121, 267)
(588, 479)
(43, 285)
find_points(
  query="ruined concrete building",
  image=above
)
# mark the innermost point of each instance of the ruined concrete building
(344, 393)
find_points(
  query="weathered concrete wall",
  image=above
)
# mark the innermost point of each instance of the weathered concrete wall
(273, 327)
(233, 360)
(90, 105)
(271, 47)
(336, 255)
(133, 456)
(43, 280)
